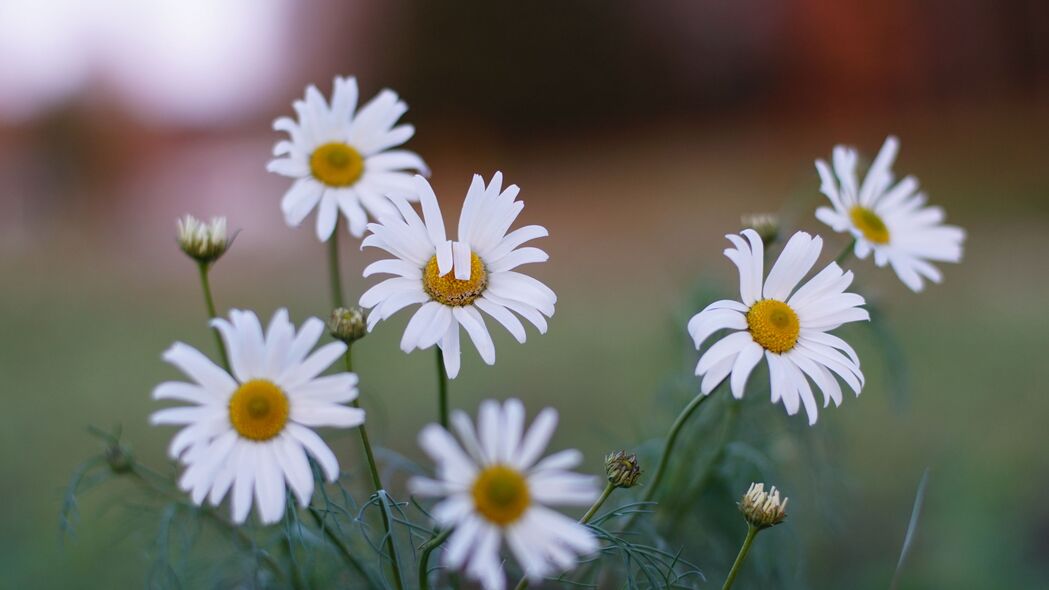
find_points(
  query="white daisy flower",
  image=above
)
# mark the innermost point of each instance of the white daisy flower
(789, 330)
(888, 219)
(250, 431)
(341, 159)
(494, 488)
(457, 280)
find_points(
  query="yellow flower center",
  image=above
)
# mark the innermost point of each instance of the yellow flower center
(869, 224)
(258, 410)
(451, 291)
(773, 325)
(336, 164)
(501, 494)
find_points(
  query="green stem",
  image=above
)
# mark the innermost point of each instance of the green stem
(297, 580)
(752, 531)
(609, 488)
(333, 267)
(424, 557)
(668, 446)
(205, 285)
(849, 248)
(376, 483)
(442, 391)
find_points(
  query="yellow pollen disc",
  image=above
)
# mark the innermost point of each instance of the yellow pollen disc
(501, 494)
(773, 325)
(869, 224)
(336, 164)
(258, 410)
(451, 291)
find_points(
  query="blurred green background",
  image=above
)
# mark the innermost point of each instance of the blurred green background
(639, 133)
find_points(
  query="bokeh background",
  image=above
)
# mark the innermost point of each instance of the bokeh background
(639, 133)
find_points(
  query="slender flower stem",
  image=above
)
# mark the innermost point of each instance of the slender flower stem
(334, 270)
(846, 252)
(752, 531)
(205, 285)
(609, 488)
(442, 391)
(424, 557)
(668, 446)
(376, 483)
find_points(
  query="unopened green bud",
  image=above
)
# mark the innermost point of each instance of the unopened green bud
(348, 324)
(766, 224)
(203, 242)
(118, 457)
(622, 469)
(763, 509)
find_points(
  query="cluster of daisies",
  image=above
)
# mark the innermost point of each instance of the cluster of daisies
(247, 429)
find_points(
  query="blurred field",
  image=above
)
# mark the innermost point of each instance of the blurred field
(636, 222)
(639, 133)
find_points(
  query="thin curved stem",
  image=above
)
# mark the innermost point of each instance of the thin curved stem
(609, 488)
(849, 248)
(376, 483)
(209, 301)
(424, 557)
(334, 270)
(442, 389)
(752, 531)
(668, 445)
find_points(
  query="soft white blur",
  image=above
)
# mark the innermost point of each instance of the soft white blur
(184, 62)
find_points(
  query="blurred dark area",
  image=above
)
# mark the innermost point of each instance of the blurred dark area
(639, 132)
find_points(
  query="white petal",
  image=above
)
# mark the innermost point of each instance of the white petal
(200, 368)
(186, 392)
(431, 210)
(320, 414)
(450, 350)
(244, 482)
(705, 323)
(296, 468)
(745, 362)
(300, 199)
(503, 316)
(327, 216)
(727, 347)
(793, 263)
(269, 486)
(317, 448)
(470, 319)
(536, 439)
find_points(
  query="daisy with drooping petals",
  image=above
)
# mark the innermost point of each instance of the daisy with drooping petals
(494, 488)
(788, 327)
(250, 431)
(456, 280)
(888, 219)
(341, 157)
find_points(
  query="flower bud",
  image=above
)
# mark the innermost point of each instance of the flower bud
(348, 324)
(763, 509)
(118, 457)
(766, 224)
(622, 469)
(203, 242)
